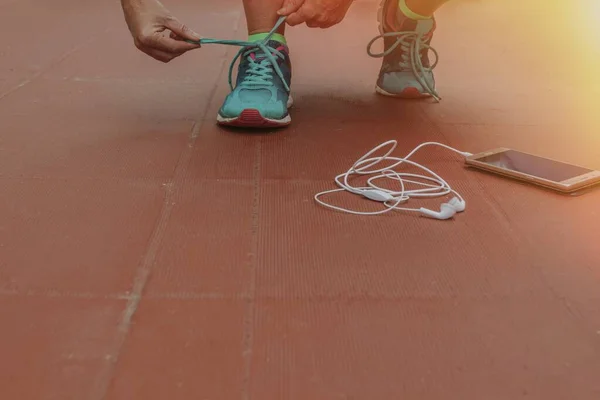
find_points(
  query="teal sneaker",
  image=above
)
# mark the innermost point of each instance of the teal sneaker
(261, 96)
(406, 70)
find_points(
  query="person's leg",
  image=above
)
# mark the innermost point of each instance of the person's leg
(408, 26)
(425, 7)
(260, 97)
(261, 16)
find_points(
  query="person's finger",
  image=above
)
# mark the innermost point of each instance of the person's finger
(319, 21)
(295, 19)
(181, 29)
(176, 37)
(159, 55)
(304, 14)
(168, 45)
(328, 23)
(290, 6)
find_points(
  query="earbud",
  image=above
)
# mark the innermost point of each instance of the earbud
(457, 204)
(446, 212)
(377, 195)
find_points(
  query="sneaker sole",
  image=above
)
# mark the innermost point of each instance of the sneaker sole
(252, 118)
(409, 92)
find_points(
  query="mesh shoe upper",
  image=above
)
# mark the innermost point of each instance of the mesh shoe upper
(258, 86)
(406, 62)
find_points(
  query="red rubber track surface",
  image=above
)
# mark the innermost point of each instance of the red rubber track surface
(147, 253)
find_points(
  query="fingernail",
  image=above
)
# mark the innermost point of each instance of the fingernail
(194, 34)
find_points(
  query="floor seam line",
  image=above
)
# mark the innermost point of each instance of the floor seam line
(149, 259)
(249, 314)
(52, 65)
(50, 293)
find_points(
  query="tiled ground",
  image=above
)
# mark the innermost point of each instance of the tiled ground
(147, 254)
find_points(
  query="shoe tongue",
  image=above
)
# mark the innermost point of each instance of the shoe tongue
(276, 45)
(259, 55)
(422, 26)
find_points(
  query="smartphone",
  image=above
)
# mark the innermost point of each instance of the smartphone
(551, 174)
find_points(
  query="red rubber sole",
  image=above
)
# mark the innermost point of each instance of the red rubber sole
(251, 118)
(412, 93)
(408, 93)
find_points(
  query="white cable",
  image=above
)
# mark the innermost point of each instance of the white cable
(428, 187)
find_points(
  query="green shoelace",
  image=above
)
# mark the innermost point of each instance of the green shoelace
(412, 43)
(259, 71)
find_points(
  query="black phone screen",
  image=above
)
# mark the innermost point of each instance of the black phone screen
(533, 165)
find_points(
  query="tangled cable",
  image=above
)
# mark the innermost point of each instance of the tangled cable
(428, 186)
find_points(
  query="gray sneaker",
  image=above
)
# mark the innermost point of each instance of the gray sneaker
(406, 70)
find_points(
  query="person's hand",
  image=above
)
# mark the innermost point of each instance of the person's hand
(315, 13)
(155, 31)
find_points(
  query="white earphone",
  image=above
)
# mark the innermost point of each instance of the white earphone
(434, 185)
